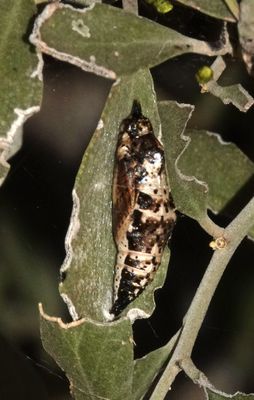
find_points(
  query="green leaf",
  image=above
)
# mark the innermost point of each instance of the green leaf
(91, 252)
(148, 367)
(97, 358)
(216, 395)
(19, 92)
(109, 41)
(190, 195)
(205, 172)
(214, 8)
(234, 94)
(230, 171)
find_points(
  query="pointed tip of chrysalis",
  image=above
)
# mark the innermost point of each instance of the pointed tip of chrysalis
(117, 308)
(136, 110)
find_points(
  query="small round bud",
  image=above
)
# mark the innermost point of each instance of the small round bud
(204, 74)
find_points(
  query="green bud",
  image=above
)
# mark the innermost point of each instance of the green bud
(204, 74)
(162, 6)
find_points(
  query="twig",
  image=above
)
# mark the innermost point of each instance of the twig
(211, 228)
(233, 235)
(194, 373)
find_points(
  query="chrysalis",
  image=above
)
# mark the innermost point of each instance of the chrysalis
(143, 209)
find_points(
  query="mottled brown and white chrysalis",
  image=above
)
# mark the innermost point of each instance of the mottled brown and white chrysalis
(143, 209)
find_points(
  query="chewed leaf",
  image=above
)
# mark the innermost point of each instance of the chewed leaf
(127, 44)
(97, 358)
(234, 94)
(190, 154)
(218, 395)
(221, 165)
(215, 8)
(20, 93)
(189, 193)
(91, 251)
(231, 170)
(147, 368)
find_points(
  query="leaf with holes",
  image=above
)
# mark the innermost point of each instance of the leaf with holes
(234, 94)
(20, 93)
(127, 44)
(195, 185)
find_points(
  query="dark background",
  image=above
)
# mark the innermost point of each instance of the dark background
(35, 207)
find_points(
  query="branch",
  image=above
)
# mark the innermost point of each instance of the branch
(233, 235)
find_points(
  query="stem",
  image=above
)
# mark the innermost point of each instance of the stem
(195, 374)
(211, 228)
(233, 234)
